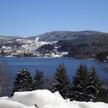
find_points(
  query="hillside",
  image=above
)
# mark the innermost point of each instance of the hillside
(78, 43)
(80, 36)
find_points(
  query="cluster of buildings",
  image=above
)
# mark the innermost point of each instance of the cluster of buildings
(28, 47)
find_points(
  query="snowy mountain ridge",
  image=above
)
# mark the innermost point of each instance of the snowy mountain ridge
(44, 99)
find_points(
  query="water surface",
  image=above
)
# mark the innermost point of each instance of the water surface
(49, 65)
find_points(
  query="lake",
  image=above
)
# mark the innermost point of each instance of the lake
(49, 65)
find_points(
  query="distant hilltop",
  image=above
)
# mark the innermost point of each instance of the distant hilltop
(8, 38)
(69, 35)
(81, 36)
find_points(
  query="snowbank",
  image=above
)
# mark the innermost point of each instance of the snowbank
(6, 103)
(44, 99)
(38, 97)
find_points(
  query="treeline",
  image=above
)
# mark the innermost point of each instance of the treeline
(76, 49)
(84, 86)
(82, 49)
(103, 56)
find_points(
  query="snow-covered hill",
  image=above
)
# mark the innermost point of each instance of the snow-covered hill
(44, 99)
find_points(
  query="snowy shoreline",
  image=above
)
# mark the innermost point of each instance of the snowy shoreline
(46, 57)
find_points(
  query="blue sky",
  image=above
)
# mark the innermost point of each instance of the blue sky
(32, 17)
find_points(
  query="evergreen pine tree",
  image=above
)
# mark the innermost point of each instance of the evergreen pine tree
(61, 81)
(79, 84)
(38, 82)
(86, 85)
(93, 85)
(103, 94)
(23, 81)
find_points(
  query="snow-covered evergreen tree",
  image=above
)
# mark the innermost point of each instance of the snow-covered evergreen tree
(61, 81)
(86, 85)
(38, 82)
(79, 84)
(23, 81)
(93, 85)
